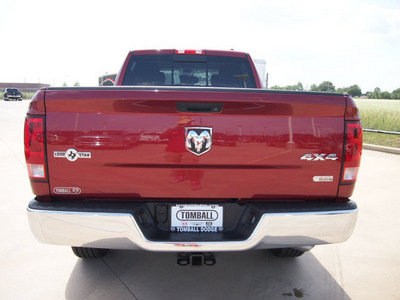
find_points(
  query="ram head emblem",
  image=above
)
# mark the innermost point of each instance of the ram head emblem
(198, 139)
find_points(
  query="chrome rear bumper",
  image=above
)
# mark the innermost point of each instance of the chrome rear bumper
(111, 230)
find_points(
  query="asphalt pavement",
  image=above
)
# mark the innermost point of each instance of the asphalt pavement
(367, 266)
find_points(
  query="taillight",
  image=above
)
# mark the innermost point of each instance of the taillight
(353, 151)
(35, 148)
(201, 52)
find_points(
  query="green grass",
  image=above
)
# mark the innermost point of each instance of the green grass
(381, 139)
(27, 95)
(380, 115)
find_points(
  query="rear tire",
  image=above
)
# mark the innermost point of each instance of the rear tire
(287, 252)
(90, 253)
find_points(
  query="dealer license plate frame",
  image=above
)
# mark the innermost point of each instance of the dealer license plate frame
(204, 218)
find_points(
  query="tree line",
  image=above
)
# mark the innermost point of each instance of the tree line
(354, 90)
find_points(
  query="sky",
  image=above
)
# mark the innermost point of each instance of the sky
(345, 42)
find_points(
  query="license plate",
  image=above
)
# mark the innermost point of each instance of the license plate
(197, 218)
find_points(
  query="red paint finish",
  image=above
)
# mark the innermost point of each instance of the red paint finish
(136, 140)
(352, 112)
(173, 51)
(153, 52)
(120, 76)
(254, 70)
(130, 142)
(37, 106)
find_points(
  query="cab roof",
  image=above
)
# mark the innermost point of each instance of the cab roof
(189, 51)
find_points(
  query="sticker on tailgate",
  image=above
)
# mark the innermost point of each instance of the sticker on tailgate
(72, 154)
(67, 190)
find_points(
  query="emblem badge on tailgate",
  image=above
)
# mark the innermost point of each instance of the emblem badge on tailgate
(319, 157)
(67, 190)
(198, 139)
(72, 154)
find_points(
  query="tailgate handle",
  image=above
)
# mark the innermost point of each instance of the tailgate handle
(199, 107)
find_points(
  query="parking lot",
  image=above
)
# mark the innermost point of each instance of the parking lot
(367, 266)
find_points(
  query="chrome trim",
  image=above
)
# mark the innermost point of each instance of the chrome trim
(120, 231)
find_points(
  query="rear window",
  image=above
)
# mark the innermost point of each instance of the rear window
(189, 70)
(12, 90)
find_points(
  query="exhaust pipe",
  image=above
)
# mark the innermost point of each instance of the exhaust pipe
(196, 259)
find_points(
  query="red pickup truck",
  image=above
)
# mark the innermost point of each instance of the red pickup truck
(189, 154)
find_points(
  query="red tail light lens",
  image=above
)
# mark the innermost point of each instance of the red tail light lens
(34, 148)
(353, 152)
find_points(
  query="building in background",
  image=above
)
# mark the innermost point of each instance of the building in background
(261, 66)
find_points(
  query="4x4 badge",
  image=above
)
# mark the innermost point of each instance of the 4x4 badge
(198, 139)
(319, 157)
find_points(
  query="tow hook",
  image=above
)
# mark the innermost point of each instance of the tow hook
(196, 259)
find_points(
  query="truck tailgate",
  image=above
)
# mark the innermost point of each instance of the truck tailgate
(131, 143)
